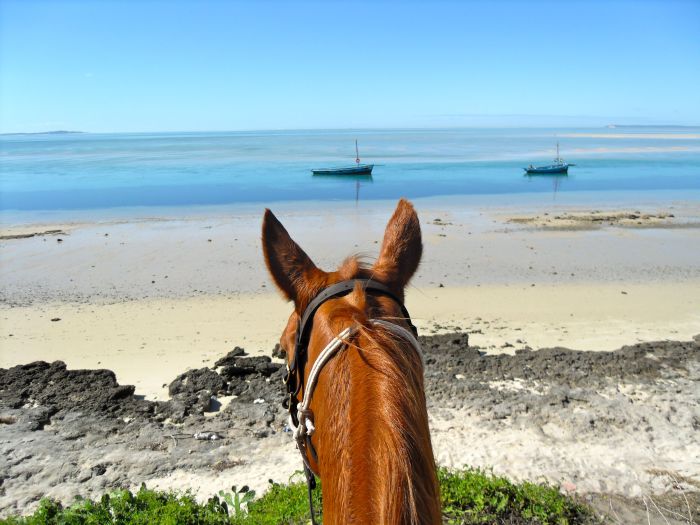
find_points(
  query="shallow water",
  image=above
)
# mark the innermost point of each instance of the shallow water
(103, 171)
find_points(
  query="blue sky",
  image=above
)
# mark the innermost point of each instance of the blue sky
(153, 65)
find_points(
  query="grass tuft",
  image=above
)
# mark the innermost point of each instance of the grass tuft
(472, 496)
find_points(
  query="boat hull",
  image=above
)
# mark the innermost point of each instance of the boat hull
(362, 169)
(548, 170)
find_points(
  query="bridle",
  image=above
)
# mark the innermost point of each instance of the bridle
(300, 417)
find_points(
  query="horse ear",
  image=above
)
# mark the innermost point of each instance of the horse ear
(291, 269)
(401, 249)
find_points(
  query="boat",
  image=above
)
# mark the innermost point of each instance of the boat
(358, 169)
(558, 168)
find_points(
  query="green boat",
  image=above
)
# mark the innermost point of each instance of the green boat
(558, 168)
(358, 169)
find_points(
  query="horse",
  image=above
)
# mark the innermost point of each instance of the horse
(355, 377)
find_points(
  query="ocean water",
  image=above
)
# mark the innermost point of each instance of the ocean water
(106, 171)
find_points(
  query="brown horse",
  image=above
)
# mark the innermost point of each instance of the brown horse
(371, 443)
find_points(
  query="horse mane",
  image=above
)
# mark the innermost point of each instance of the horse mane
(386, 375)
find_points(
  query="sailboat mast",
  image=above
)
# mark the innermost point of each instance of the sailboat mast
(357, 154)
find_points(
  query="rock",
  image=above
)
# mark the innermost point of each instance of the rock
(84, 475)
(194, 381)
(279, 352)
(57, 390)
(230, 358)
(99, 469)
(267, 369)
(244, 366)
(122, 392)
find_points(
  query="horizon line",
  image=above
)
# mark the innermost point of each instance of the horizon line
(365, 128)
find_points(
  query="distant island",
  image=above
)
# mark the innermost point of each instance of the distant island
(57, 132)
(649, 126)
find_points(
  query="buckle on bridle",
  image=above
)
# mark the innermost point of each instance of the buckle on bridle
(287, 402)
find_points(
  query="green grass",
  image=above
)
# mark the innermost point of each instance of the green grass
(473, 496)
(468, 497)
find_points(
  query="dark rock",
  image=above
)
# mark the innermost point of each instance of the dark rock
(267, 369)
(122, 391)
(279, 352)
(244, 366)
(230, 358)
(57, 390)
(232, 372)
(194, 381)
(99, 469)
(445, 357)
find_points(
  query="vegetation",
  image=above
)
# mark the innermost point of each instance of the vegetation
(468, 497)
(473, 496)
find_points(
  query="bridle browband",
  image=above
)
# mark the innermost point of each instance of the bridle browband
(294, 377)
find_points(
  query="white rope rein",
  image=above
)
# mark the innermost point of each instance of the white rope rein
(306, 428)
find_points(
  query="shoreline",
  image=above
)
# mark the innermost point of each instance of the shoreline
(463, 246)
(514, 202)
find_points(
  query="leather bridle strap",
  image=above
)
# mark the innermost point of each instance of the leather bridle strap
(294, 378)
(338, 290)
(305, 427)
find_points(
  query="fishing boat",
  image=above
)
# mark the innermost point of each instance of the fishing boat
(558, 168)
(358, 169)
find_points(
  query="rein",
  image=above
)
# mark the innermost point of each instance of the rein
(300, 415)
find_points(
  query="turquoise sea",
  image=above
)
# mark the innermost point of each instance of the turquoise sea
(85, 171)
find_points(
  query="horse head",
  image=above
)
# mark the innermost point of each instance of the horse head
(361, 424)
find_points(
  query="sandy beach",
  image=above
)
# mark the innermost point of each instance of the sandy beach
(179, 291)
(155, 297)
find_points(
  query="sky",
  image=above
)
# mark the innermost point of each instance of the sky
(215, 65)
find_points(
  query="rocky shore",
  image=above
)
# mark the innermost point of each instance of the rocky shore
(617, 427)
